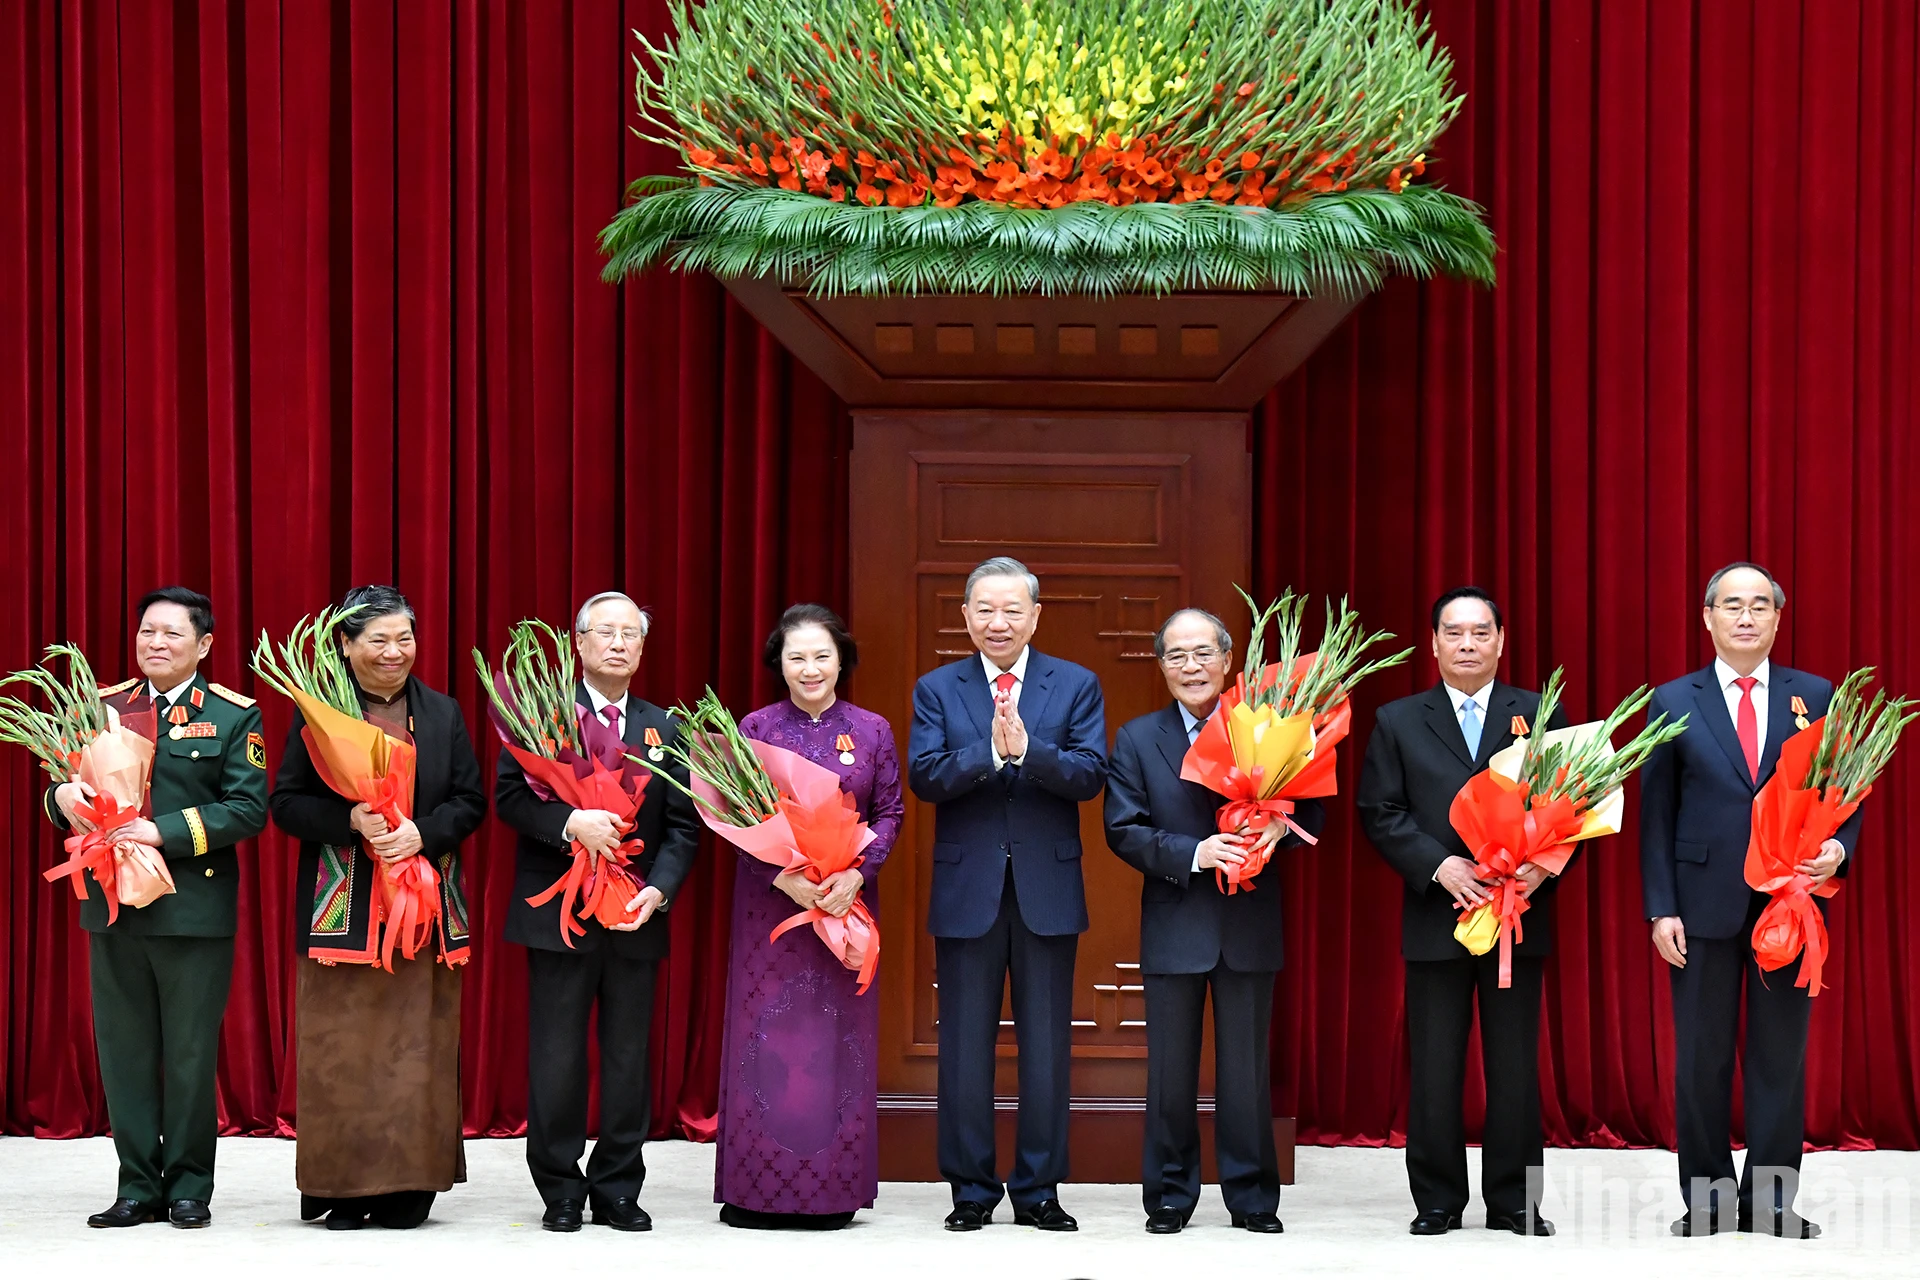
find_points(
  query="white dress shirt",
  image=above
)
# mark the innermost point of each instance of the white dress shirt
(1763, 675)
(1019, 672)
(1193, 731)
(601, 704)
(1459, 701)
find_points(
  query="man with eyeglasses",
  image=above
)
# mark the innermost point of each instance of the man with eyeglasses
(1696, 810)
(613, 967)
(1195, 938)
(1422, 751)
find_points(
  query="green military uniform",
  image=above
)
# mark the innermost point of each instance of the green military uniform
(161, 972)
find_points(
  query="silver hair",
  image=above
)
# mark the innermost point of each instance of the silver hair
(580, 619)
(1002, 567)
(1713, 583)
(1223, 638)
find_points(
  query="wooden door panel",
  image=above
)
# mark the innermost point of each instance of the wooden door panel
(1106, 510)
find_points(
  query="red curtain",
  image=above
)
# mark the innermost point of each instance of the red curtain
(299, 295)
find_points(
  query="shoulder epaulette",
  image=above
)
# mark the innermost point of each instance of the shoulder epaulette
(237, 699)
(108, 690)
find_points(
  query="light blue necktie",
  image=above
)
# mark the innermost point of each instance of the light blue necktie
(1470, 726)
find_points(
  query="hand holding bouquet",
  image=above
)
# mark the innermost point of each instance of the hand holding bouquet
(571, 755)
(1538, 798)
(1270, 742)
(1825, 771)
(784, 810)
(79, 738)
(360, 762)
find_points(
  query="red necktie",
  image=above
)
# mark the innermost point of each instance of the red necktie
(611, 714)
(1747, 725)
(1003, 684)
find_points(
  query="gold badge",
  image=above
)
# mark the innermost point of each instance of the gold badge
(256, 751)
(176, 733)
(1799, 712)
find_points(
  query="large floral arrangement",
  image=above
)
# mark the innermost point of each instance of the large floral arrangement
(1086, 146)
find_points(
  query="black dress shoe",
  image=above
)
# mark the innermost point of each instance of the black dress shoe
(1786, 1224)
(1165, 1222)
(1047, 1215)
(1262, 1223)
(623, 1214)
(1519, 1224)
(1434, 1222)
(347, 1217)
(1704, 1224)
(969, 1215)
(188, 1214)
(124, 1213)
(561, 1215)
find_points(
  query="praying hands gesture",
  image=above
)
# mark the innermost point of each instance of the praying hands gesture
(1009, 731)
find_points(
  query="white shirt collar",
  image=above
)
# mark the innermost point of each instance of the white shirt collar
(600, 704)
(1187, 719)
(1019, 667)
(155, 692)
(1479, 697)
(1726, 675)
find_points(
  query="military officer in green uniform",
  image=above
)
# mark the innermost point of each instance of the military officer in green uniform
(161, 972)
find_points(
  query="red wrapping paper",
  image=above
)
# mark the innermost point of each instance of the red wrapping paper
(1790, 823)
(1502, 833)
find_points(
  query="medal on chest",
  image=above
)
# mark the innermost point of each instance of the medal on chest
(1799, 712)
(844, 745)
(655, 751)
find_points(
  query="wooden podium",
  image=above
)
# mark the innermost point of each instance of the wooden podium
(1103, 441)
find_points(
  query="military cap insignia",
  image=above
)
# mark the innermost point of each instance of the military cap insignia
(256, 751)
(237, 699)
(108, 690)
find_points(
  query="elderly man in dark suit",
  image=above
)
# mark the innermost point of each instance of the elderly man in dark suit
(1423, 750)
(1194, 937)
(1005, 745)
(1696, 811)
(611, 967)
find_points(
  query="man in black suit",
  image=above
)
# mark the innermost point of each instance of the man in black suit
(1696, 812)
(1194, 937)
(614, 967)
(1423, 750)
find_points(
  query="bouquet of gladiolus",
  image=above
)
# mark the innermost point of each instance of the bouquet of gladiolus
(1270, 743)
(1825, 771)
(1540, 796)
(783, 810)
(360, 762)
(568, 754)
(80, 738)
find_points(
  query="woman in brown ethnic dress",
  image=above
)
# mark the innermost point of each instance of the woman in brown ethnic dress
(378, 1107)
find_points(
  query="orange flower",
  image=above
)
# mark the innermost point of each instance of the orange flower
(867, 193)
(1250, 160)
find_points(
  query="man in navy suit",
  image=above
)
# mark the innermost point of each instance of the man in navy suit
(1005, 745)
(1194, 937)
(1696, 811)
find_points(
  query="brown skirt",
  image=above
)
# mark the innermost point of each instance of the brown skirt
(378, 1107)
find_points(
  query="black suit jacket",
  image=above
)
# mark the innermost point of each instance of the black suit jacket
(667, 824)
(1416, 764)
(1154, 822)
(449, 800)
(1696, 800)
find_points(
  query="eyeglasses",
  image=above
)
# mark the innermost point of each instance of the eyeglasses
(1732, 609)
(1174, 659)
(632, 635)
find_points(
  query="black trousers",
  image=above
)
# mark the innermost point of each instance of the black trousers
(1706, 1015)
(157, 1006)
(1243, 1089)
(973, 973)
(1440, 1000)
(562, 988)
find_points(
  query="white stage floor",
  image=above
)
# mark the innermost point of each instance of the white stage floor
(1348, 1214)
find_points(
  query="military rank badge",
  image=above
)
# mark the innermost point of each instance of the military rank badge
(256, 751)
(1799, 712)
(844, 745)
(655, 752)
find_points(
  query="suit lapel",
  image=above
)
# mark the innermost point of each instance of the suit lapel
(1446, 727)
(1780, 724)
(1033, 693)
(1172, 737)
(1711, 703)
(975, 694)
(1496, 732)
